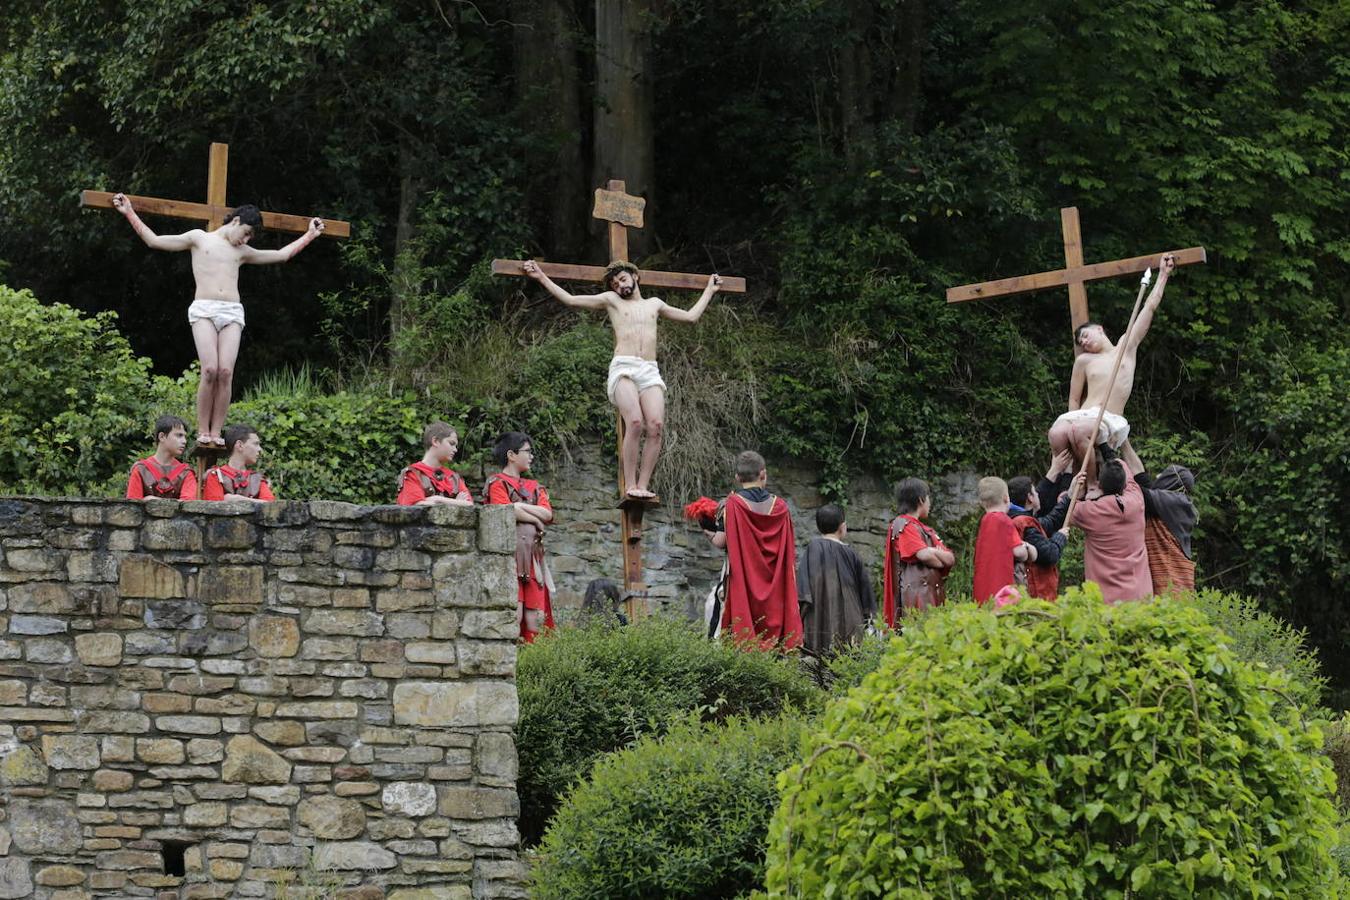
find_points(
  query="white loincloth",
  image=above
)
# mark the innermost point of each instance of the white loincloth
(642, 372)
(221, 313)
(1114, 430)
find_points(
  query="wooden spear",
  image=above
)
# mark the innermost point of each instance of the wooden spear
(1110, 386)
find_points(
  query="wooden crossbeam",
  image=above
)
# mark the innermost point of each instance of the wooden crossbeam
(206, 212)
(1025, 284)
(215, 209)
(596, 274)
(1075, 275)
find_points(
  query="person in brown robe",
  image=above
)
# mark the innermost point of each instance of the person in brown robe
(834, 591)
(1169, 522)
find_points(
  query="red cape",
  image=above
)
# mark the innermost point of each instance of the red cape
(994, 546)
(761, 602)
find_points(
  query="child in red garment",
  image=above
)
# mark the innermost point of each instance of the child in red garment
(533, 514)
(999, 545)
(164, 474)
(429, 482)
(917, 562)
(235, 480)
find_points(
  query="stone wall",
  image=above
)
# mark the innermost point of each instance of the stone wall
(680, 564)
(213, 699)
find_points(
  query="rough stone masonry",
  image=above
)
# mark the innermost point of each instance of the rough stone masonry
(229, 700)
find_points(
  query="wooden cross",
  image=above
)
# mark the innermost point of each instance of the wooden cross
(213, 211)
(622, 211)
(1075, 275)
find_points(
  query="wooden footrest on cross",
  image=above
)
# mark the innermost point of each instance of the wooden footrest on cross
(204, 456)
(642, 503)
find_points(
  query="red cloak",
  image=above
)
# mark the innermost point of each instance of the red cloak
(761, 602)
(994, 547)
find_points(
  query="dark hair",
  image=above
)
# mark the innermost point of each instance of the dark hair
(1111, 478)
(166, 424)
(510, 442)
(748, 466)
(248, 214)
(909, 494)
(1019, 490)
(437, 431)
(233, 434)
(619, 265)
(601, 603)
(1078, 332)
(829, 518)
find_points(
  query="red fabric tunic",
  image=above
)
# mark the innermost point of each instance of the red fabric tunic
(1114, 554)
(535, 591)
(1042, 580)
(904, 539)
(187, 490)
(216, 489)
(994, 546)
(761, 605)
(412, 489)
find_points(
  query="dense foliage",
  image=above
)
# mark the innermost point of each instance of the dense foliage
(1075, 749)
(852, 159)
(680, 815)
(588, 691)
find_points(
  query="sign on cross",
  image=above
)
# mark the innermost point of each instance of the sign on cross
(622, 211)
(214, 210)
(1074, 276)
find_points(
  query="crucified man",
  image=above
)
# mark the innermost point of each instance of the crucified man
(635, 386)
(216, 315)
(1091, 386)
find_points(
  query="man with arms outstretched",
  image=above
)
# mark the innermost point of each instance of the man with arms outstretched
(635, 386)
(1091, 382)
(216, 315)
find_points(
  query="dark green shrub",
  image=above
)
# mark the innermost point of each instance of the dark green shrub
(1073, 749)
(682, 815)
(591, 690)
(1256, 636)
(72, 394)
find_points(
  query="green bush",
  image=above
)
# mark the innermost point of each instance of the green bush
(682, 815)
(1070, 749)
(73, 395)
(591, 690)
(1256, 636)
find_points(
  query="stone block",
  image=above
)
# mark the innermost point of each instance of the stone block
(401, 560)
(359, 622)
(59, 876)
(15, 878)
(250, 761)
(439, 540)
(201, 751)
(148, 643)
(13, 693)
(166, 703)
(44, 597)
(495, 756)
(332, 648)
(455, 704)
(171, 534)
(70, 751)
(175, 615)
(334, 511)
(239, 585)
(486, 657)
(274, 636)
(286, 734)
(44, 827)
(199, 685)
(332, 818)
(260, 816)
(205, 815)
(409, 626)
(20, 765)
(461, 803)
(356, 558)
(99, 649)
(49, 650)
(31, 625)
(89, 566)
(409, 798)
(226, 869)
(277, 795)
(399, 599)
(230, 534)
(112, 781)
(490, 625)
(161, 751)
(129, 860)
(284, 513)
(363, 856)
(496, 529)
(203, 725)
(33, 560)
(437, 652)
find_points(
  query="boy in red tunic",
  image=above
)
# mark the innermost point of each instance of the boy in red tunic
(761, 572)
(917, 562)
(164, 474)
(235, 481)
(999, 545)
(533, 514)
(429, 482)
